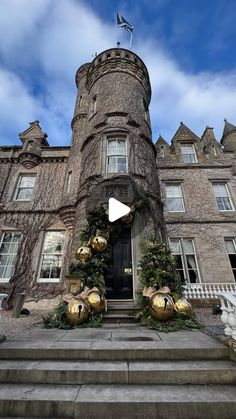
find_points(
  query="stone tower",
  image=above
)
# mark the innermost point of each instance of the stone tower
(112, 154)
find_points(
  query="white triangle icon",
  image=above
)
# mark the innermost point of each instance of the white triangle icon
(117, 210)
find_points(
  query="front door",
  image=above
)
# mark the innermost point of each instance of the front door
(119, 278)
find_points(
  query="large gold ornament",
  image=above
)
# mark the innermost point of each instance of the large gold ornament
(77, 311)
(99, 243)
(183, 307)
(96, 301)
(84, 254)
(161, 306)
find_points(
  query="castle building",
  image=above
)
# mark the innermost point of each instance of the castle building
(46, 191)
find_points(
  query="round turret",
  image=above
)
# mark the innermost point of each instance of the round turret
(228, 139)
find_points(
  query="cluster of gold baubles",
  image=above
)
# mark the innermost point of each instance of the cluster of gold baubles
(97, 244)
(79, 307)
(162, 306)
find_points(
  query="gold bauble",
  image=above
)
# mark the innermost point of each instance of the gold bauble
(77, 311)
(96, 301)
(84, 254)
(99, 243)
(183, 307)
(161, 306)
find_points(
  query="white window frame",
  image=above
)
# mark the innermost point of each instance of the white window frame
(182, 146)
(7, 279)
(19, 187)
(109, 155)
(228, 196)
(179, 184)
(42, 253)
(184, 255)
(232, 239)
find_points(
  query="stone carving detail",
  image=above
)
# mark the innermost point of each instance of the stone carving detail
(29, 160)
(117, 191)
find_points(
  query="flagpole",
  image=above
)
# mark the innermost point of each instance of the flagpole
(131, 39)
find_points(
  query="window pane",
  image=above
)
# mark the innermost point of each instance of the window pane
(5, 247)
(111, 166)
(27, 181)
(188, 153)
(220, 189)
(175, 246)
(232, 259)
(52, 255)
(121, 164)
(188, 246)
(117, 147)
(222, 197)
(173, 191)
(175, 204)
(230, 246)
(192, 276)
(178, 262)
(8, 252)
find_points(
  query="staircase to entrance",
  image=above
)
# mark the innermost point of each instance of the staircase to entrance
(117, 371)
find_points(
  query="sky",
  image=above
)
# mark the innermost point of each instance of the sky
(188, 47)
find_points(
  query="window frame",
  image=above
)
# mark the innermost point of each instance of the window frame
(42, 253)
(117, 137)
(169, 183)
(3, 233)
(192, 154)
(233, 240)
(184, 255)
(225, 183)
(17, 187)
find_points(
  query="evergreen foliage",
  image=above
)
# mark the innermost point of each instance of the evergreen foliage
(158, 267)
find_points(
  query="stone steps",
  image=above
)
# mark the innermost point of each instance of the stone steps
(118, 312)
(118, 401)
(111, 317)
(109, 351)
(117, 372)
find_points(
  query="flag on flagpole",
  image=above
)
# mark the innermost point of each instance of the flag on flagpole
(122, 23)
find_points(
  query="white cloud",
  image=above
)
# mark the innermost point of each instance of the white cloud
(196, 99)
(44, 47)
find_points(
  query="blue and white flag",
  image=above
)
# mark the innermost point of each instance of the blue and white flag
(122, 23)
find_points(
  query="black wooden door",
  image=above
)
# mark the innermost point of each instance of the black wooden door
(119, 278)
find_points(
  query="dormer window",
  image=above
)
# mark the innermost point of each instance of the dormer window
(117, 155)
(188, 153)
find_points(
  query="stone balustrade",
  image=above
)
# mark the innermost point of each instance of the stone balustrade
(228, 316)
(208, 290)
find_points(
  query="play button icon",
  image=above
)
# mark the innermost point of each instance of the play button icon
(117, 210)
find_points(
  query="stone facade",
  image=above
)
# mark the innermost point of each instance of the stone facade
(112, 102)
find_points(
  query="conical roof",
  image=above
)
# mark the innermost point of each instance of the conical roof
(227, 129)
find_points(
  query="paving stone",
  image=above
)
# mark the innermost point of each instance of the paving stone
(86, 335)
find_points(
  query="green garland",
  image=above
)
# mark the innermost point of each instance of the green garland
(158, 267)
(158, 270)
(56, 318)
